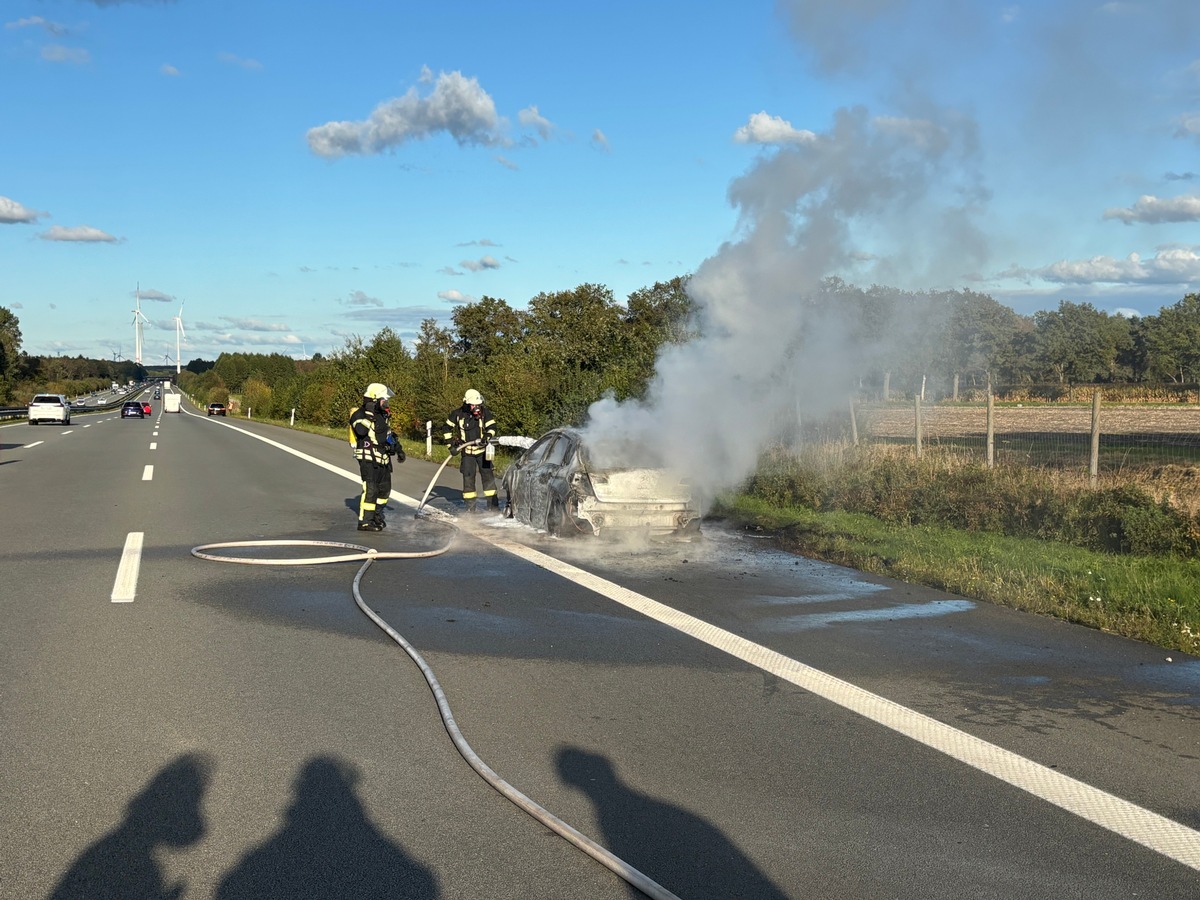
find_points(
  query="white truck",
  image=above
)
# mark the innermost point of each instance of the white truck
(171, 402)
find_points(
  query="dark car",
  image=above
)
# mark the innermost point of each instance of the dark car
(131, 409)
(216, 409)
(554, 487)
(147, 408)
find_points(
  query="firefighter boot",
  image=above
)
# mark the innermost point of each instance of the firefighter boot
(369, 525)
(379, 520)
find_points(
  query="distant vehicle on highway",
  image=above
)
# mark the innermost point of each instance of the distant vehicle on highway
(49, 408)
(555, 486)
(171, 403)
(216, 409)
(131, 409)
(147, 408)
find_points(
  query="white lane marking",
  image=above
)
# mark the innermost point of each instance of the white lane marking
(148, 473)
(88, 425)
(34, 444)
(66, 432)
(1100, 807)
(154, 445)
(125, 585)
(1140, 825)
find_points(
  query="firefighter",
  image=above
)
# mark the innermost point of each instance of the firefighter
(468, 431)
(374, 447)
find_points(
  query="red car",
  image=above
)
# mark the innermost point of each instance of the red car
(146, 408)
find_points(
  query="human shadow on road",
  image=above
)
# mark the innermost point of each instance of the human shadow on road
(681, 851)
(327, 848)
(122, 863)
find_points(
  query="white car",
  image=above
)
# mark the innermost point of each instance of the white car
(49, 408)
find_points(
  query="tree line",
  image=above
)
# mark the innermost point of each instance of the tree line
(544, 365)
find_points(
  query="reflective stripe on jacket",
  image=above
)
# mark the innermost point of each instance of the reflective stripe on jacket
(462, 426)
(370, 434)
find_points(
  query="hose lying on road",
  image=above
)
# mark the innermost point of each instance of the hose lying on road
(368, 555)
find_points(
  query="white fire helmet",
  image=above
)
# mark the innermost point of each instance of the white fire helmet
(473, 398)
(377, 391)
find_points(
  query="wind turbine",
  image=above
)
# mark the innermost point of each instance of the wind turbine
(138, 318)
(179, 333)
(167, 358)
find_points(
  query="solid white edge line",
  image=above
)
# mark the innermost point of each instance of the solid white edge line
(125, 585)
(148, 473)
(1142, 826)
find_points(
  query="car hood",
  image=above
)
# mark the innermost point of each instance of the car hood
(638, 486)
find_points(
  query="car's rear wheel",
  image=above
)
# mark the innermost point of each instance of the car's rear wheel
(556, 518)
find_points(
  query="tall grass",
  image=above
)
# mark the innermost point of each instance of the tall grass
(1120, 557)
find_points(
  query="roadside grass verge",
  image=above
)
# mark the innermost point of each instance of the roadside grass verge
(1148, 598)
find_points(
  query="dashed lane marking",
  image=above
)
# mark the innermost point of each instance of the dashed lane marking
(125, 585)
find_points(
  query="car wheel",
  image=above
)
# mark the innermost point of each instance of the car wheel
(555, 518)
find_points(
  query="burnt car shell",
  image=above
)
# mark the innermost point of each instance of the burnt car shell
(553, 487)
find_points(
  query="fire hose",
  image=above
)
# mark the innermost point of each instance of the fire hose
(369, 555)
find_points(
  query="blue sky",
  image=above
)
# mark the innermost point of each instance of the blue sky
(295, 173)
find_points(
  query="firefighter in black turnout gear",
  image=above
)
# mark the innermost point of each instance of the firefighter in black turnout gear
(374, 447)
(469, 429)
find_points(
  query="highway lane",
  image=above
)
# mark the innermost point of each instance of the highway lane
(718, 778)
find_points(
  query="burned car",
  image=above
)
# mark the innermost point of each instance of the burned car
(553, 486)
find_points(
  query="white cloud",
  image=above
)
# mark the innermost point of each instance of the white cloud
(1188, 125)
(57, 53)
(1169, 265)
(255, 324)
(764, 129)
(234, 60)
(38, 22)
(1156, 210)
(12, 212)
(531, 118)
(151, 294)
(78, 233)
(168, 69)
(478, 265)
(600, 141)
(453, 296)
(358, 298)
(457, 106)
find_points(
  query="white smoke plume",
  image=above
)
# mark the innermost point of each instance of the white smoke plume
(896, 199)
(768, 356)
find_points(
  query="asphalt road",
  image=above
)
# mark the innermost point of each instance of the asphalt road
(731, 721)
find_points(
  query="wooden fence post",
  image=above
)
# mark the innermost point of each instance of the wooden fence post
(1094, 463)
(918, 426)
(853, 424)
(991, 429)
